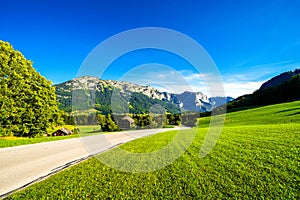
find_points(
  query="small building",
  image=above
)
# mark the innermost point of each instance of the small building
(62, 132)
(126, 122)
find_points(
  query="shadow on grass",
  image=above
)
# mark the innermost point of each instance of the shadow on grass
(287, 110)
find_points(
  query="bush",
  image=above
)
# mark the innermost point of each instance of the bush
(107, 123)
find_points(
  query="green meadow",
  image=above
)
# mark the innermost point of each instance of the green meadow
(17, 141)
(256, 157)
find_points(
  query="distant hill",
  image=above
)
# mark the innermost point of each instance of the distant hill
(277, 80)
(87, 92)
(279, 89)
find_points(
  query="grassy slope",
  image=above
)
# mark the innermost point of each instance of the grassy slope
(257, 156)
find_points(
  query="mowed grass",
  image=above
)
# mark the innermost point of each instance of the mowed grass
(17, 141)
(89, 128)
(256, 157)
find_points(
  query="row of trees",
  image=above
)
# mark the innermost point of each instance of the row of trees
(110, 122)
(139, 121)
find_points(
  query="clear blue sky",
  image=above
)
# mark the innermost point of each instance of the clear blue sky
(250, 41)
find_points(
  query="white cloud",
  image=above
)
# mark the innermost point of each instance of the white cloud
(233, 89)
(250, 78)
(236, 89)
(169, 80)
(159, 76)
(233, 85)
(165, 78)
(194, 76)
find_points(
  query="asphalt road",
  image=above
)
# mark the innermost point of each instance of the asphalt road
(21, 166)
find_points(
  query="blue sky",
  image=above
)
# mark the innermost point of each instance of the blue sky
(249, 41)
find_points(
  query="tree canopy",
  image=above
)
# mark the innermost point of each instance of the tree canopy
(27, 100)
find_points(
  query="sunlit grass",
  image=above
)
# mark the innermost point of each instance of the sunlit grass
(17, 141)
(256, 157)
(11, 141)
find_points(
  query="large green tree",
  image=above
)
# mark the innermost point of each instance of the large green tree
(27, 100)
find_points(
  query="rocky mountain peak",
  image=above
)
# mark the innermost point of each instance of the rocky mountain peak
(193, 101)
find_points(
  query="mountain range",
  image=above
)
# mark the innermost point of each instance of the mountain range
(93, 93)
(88, 92)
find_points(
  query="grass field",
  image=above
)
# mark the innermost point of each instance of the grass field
(256, 157)
(16, 141)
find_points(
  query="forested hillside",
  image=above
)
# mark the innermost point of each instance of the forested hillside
(86, 93)
(277, 90)
(277, 80)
